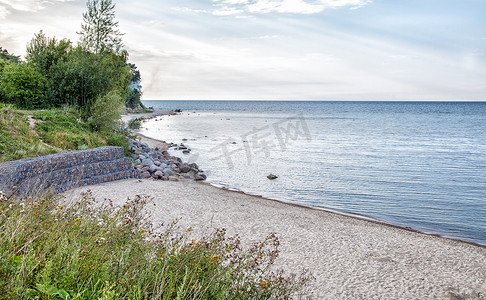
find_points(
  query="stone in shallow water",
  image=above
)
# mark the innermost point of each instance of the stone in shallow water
(272, 176)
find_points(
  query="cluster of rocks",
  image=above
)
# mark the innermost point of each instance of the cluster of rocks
(159, 164)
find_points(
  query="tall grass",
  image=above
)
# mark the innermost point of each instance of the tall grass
(93, 250)
(17, 139)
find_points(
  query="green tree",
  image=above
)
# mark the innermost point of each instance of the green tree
(8, 57)
(133, 99)
(85, 76)
(99, 31)
(45, 52)
(22, 85)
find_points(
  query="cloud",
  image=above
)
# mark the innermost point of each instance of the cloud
(231, 7)
(7, 6)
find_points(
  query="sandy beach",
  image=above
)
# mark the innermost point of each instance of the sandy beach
(351, 258)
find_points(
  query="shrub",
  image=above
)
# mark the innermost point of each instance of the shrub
(119, 140)
(93, 250)
(105, 111)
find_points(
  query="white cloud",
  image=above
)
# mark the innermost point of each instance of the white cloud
(189, 10)
(283, 6)
(7, 6)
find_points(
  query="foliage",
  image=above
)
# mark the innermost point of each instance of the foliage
(64, 129)
(22, 85)
(8, 57)
(120, 140)
(135, 123)
(44, 52)
(84, 77)
(133, 100)
(105, 111)
(99, 33)
(17, 139)
(93, 250)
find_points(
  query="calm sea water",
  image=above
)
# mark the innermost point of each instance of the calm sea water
(414, 164)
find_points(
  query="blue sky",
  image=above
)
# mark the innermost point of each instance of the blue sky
(284, 49)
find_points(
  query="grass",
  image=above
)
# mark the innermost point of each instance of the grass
(93, 250)
(55, 130)
(64, 129)
(17, 139)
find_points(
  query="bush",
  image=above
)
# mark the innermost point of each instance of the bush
(105, 111)
(94, 250)
(119, 140)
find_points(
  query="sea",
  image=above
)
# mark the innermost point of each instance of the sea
(420, 165)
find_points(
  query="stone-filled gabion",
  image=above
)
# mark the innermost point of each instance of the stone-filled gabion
(62, 171)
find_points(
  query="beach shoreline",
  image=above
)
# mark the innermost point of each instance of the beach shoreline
(164, 145)
(350, 257)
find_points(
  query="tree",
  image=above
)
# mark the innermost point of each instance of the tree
(8, 57)
(133, 99)
(44, 52)
(84, 77)
(99, 33)
(22, 85)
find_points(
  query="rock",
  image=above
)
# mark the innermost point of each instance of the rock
(157, 163)
(153, 168)
(185, 168)
(137, 162)
(272, 177)
(169, 172)
(146, 175)
(187, 151)
(159, 174)
(194, 165)
(147, 162)
(199, 177)
(153, 155)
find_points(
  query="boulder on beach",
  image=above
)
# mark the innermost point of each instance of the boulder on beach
(272, 176)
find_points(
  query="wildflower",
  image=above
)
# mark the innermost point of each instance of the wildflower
(264, 284)
(162, 254)
(215, 256)
(190, 229)
(78, 219)
(143, 230)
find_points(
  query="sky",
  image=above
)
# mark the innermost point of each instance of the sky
(283, 49)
